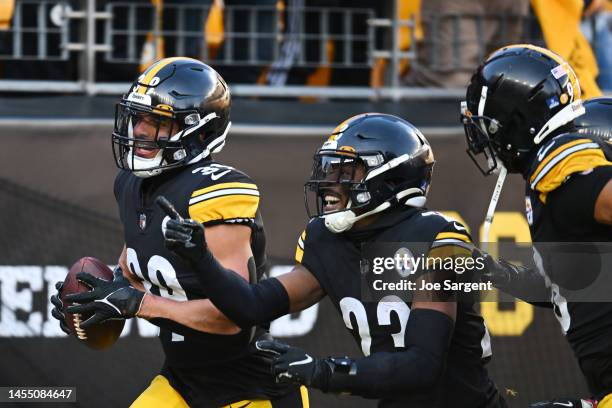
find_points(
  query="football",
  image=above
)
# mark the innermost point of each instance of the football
(99, 336)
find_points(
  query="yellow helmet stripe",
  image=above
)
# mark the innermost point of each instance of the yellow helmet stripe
(152, 72)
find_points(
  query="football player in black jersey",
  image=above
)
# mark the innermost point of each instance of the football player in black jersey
(521, 110)
(167, 127)
(597, 119)
(370, 180)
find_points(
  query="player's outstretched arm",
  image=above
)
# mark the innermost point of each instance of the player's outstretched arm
(199, 314)
(428, 334)
(212, 254)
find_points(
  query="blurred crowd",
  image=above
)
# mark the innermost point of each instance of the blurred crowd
(316, 42)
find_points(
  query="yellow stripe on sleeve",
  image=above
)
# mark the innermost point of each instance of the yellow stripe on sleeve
(452, 235)
(299, 248)
(221, 186)
(225, 208)
(574, 163)
(554, 154)
(450, 250)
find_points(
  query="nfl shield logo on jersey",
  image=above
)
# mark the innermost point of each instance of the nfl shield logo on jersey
(142, 221)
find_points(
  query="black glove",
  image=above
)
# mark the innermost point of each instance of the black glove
(294, 365)
(58, 309)
(565, 402)
(116, 299)
(184, 237)
(500, 272)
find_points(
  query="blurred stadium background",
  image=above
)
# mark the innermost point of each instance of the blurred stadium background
(296, 68)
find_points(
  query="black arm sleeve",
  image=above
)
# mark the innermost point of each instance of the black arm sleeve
(573, 203)
(245, 304)
(428, 336)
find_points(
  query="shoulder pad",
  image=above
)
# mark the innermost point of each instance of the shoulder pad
(561, 157)
(312, 231)
(299, 249)
(453, 233)
(449, 230)
(223, 194)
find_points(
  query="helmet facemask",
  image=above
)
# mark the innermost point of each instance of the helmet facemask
(336, 183)
(169, 133)
(479, 144)
(357, 187)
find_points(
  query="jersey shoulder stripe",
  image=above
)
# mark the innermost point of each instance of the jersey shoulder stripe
(237, 199)
(557, 164)
(299, 249)
(553, 157)
(453, 234)
(221, 189)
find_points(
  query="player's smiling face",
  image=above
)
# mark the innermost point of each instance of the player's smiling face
(336, 195)
(150, 128)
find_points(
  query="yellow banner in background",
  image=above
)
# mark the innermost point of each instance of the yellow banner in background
(560, 23)
(7, 8)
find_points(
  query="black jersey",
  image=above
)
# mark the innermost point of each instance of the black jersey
(563, 184)
(334, 259)
(207, 369)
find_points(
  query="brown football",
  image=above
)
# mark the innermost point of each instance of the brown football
(99, 336)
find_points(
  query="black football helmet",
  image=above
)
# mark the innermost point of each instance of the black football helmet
(396, 158)
(597, 121)
(183, 93)
(520, 96)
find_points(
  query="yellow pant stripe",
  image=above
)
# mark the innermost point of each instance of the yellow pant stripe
(159, 394)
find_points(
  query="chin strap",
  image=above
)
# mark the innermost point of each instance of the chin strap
(344, 220)
(214, 146)
(563, 117)
(492, 205)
